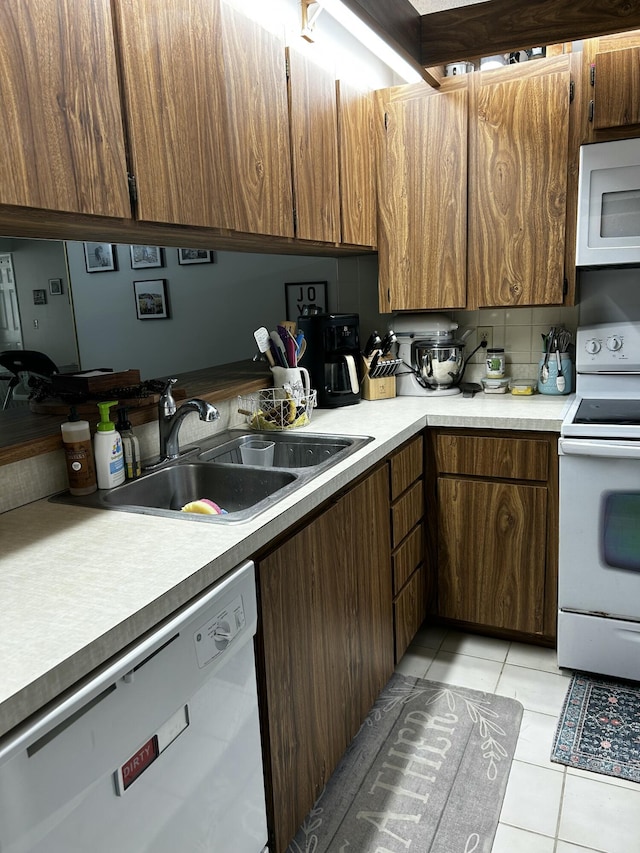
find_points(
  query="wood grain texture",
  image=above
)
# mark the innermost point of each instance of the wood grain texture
(258, 124)
(410, 609)
(407, 557)
(314, 149)
(406, 512)
(61, 133)
(356, 149)
(492, 553)
(422, 196)
(327, 641)
(518, 185)
(173, 72)
(617, 88)
(499, 26)
(406, 466)
(498, 456)
(24, 434)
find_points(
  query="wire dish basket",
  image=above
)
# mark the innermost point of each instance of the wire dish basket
(277, 409)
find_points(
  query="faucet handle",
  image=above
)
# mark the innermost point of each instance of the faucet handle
(166, 403)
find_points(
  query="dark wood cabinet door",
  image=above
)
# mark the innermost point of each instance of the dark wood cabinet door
(422, 196)
(616, 90)
(314, 149)
(356, 146)
(492, 543)
(327, 642)
(61, 133)
(258, 124)
(174, 93)
(518, 184)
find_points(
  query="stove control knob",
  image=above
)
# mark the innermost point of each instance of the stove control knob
(614, 343)
(593, 346)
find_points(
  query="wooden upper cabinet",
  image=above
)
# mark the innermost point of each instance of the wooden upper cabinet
(258, 124)
(61, 133)
(518, 184)
(616, 89)
(314, 149)
(422, 192)
(174, 92)
(356, 144)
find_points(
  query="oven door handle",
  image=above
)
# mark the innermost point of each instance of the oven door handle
(592, 447)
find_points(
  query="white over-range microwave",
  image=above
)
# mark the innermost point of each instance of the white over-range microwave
(609, 204)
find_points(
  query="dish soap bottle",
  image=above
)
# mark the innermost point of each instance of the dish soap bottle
(130, 446)
(76, 437)
(108, 450)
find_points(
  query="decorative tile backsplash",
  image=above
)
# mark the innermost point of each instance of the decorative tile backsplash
(518, 330)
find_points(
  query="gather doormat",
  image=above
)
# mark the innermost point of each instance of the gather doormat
(426, 772)
(599, 727)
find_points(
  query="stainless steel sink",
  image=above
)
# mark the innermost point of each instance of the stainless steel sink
(292, 450)
(173, 487)
(214, 470)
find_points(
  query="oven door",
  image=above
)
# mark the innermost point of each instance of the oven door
(599, 556)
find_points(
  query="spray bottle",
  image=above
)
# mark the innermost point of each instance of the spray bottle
(108, 450)
(76, 437)
(130, 446)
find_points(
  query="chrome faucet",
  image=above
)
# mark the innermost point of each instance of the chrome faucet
(170, 418)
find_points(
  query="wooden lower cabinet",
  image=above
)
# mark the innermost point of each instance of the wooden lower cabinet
(497, 530)
(409, 564)
(325, 645)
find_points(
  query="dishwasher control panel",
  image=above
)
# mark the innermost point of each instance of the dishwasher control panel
(215, 636)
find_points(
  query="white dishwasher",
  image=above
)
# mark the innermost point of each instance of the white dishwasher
(159, 752)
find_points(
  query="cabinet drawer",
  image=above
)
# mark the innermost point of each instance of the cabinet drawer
(407, 558)
(406, 466)
(406, 513)
(409, 610)
(483, 456)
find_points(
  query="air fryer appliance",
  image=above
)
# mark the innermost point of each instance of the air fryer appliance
(332, 357)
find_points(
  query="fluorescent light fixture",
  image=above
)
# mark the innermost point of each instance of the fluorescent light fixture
(371, 40)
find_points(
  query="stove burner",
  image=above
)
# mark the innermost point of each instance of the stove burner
(609, 412)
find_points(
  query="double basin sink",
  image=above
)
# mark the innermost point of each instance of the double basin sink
(215, 470)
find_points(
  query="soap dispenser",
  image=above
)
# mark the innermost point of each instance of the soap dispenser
(76, 438)
(108, 450)
(130, 446)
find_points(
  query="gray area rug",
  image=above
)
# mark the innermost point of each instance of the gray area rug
(426, 772)
(599, 727)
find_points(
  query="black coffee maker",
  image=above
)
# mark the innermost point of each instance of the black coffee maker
(332, 357)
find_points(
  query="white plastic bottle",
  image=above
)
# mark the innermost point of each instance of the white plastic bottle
(108, 450)
(81, 470)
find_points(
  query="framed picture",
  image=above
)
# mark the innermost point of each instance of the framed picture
(309, 296)
(55, 286)
(143, 257)
(99, 257)
(195, 256)
(151, 299)
(39, 297)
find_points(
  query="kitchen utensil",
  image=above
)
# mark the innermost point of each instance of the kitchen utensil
(278, 349)
(373, 343)
(470, 389)
(289, 345)
(387, 342)
(262, 339)
(560, 381)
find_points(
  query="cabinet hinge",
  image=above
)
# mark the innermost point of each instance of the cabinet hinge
(591, 109)
(287, 67)
(133, 188)
(592, 74)
(572, 91)
(295, 221)
(565, 287)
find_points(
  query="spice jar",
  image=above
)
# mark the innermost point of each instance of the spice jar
(495, 363)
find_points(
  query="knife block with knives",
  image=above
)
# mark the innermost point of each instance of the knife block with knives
(380, 387)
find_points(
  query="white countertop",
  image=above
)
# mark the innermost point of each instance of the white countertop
(78, 585)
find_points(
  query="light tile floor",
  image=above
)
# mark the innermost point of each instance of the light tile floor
(548, 808)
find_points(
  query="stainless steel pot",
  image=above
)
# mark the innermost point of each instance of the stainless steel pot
(438, 363)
